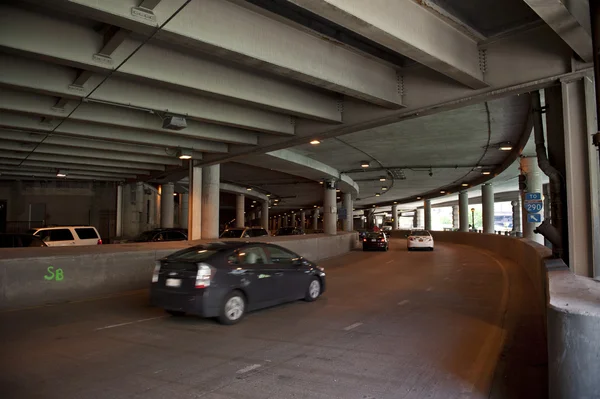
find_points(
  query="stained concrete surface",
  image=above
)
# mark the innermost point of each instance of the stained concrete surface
(391, 325)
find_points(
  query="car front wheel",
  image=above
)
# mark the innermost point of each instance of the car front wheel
(233, 308)
(314, 290)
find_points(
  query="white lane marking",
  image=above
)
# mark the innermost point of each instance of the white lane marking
(404, 302)
(389, 261)
(248, 368)
(130, 322)
(352, 326)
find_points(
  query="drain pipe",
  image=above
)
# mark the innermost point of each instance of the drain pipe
(551, 231)
(595, 20)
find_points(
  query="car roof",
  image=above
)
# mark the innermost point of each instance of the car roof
(63, 227)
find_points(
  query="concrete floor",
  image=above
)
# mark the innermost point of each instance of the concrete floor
(454, 323)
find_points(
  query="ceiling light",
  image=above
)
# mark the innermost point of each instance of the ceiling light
(337, 197)
(465, 184)
(249, 189)
(315, 206)
(276, 200)
(254, 202)
(377, 195)
(175, 194)
(320, 182)
(486, 172)
(382, 178)
(60, 173)
(338, 190)
(315, 142)
(395, 202)
(365, 164)
(418, 197)
(384, 188)
(174, 122)
(268, 195)
(505, 148)
(442, 192)
(184, 154)
(275, 204)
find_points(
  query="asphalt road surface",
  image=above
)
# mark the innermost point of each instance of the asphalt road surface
(453, 323)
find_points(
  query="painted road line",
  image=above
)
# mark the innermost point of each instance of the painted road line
(248, 369)
(404, 302)
(352, 326)
(128, 323)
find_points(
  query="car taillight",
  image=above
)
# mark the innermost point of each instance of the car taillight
(411, 238)
(204, 275)
(156, 271)
(100, 241)
(364, 240)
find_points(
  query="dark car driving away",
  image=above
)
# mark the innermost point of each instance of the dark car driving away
(226, 280)
(20, 241)
(244, 232)
(376, 241)
(289, 231)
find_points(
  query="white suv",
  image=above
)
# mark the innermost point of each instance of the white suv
(68, 235)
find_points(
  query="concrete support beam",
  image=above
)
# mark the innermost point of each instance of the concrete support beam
(152, 63)
(487, 205)
(303, 219)
(80, 169)
(406, 27)
(329, 208)
(52, 79)
(264, 214)
(315, 221)
(240, 200)
(195, 203)
(119, 214)
(533, 178)
(348, 205)
(69, 171)
(427, 214)
(184, 214)
(38, 175)
(395, 220)
(167, 206)
(516, 217)
(570, 20)
(210, 201)
(455, 217)
(463, 211)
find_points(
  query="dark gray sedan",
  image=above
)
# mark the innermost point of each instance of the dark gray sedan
(226, 280)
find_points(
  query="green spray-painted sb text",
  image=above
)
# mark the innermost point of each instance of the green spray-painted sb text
(56, 275)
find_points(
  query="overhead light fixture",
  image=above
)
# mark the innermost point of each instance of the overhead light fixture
(418, 197)
(321, 182)
(268, 195)
(275, 204)
(486, 172)
(465, 184)
(395, 202)
(174, 122)
(382, 178)
(276, 200)
(337, 197)
(254, 202)
(315, 206)
(338, 190)
(377, 195)
(249, 189)
(184, 154)
(315, 142)
(506, 148)
(60, 173)
(384, 188)
(174, 194)
(365, 164)
(442, 192)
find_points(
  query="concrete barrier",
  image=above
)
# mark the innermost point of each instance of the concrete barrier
(38, 276)
(572, 310)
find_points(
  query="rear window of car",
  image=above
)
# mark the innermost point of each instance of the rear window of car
(195, 254)
(55, 235)
(86, 233)
(233, 233)
(374, 235)
(31, 241)
(420, 234)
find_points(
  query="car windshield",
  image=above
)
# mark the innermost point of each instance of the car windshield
(374, 235)
(232, 233)
(420, 233)
(195, 254)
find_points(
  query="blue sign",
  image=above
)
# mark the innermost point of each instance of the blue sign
(534, 206)
(534, 218)
(533, 196)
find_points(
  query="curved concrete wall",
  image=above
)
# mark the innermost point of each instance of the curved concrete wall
(572, 305)
(39, 276)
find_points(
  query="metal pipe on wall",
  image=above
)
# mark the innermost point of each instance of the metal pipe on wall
(595, 21)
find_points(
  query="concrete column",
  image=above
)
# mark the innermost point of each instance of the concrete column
(533, 178)
(167, 205)
(329, 208)
(348, 221)
(279, 221)
(264, 215)
(184, 216)
(463, 211)
(415, 219)
(455, 217)
(119, 216)
(195, 203)
(316, 219)
(427, 214)
(487, 205)
(303, 219)
(395, 217)
(211, 178)
(239, 210)
(516, 215)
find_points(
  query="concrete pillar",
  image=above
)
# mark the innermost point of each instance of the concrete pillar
(184, 216)
(195, 203)
(239, 210)
(264, 214)
(463, 211)
(348, 221)
(303, 219)
(316, 219)
(516, 215)
(395, 220)
(279, 221)
(415, 219)
(119, 216)
(329, 208)
(455, 217)
(427, 214)
(487, 205)
(211, 178)
(167, 205)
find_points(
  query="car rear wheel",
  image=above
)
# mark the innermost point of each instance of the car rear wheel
(233, 308)
(176, 313)
(314, 290)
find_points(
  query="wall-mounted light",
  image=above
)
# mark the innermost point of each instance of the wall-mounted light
(382, 178)
(61, 173)
(315, 142)
(365, 164)
(174, 194)
(184, 154)
(314, 206)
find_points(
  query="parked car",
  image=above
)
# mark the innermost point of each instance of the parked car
(159, 235)
(245, 232)
(62, 236)
(20, 241)
(419, 239)
(226, 280)
(289, 231)
(376, 240)
(387, 229)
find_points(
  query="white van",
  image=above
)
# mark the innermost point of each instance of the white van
(68, 235)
